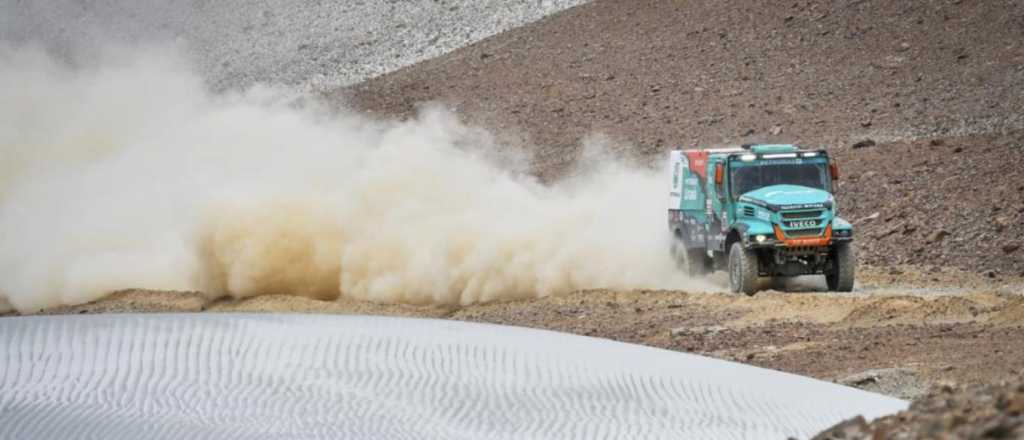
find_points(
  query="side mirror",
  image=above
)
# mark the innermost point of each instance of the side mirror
(719, 174)
(834, 170)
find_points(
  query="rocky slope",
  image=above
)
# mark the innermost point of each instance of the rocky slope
(938, 202)
(658, 73)
(934, 85)
(949, 411)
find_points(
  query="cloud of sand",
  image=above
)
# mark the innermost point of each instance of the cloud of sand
(124, 172)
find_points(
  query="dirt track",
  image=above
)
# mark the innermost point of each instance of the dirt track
(894, 338)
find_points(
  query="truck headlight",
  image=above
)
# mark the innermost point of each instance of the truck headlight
(760, 238)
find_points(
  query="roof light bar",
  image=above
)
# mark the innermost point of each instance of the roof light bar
(779, 156)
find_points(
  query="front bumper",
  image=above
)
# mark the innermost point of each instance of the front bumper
(779, 240)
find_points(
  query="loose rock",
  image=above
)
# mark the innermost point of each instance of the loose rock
(938, 236)
(864, 144)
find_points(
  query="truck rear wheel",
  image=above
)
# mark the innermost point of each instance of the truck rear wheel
(779, 283)
(742, 269)
(691, 260)
(844, 262)
(697, 264)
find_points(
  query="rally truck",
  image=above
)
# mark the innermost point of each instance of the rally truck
(759, 211)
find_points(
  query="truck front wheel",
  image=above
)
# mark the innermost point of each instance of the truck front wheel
(742, 269)
(840, 276)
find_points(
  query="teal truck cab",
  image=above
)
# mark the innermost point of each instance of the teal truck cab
(759, 211)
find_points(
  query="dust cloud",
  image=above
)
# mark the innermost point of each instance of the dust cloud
(123, 171)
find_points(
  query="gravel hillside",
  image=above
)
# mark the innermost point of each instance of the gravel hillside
(239, 42)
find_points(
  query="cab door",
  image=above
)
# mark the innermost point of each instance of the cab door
(716, 208)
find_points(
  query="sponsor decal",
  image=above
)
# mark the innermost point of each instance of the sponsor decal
(696, 161)
(764, 215)
(815, 241)
(754, 202)
(804, 206)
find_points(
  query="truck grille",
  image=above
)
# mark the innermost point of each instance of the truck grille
(795, 233)
(801, 214)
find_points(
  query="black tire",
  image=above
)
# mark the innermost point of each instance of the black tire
(697, 264)
(692, 261)
(676, 249)
(844, 263)
(779, 283)
(742, 270)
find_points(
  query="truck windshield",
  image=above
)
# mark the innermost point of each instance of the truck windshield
(750, 178)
